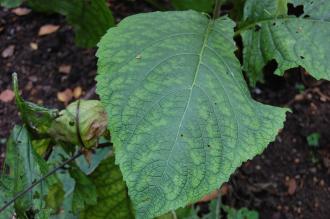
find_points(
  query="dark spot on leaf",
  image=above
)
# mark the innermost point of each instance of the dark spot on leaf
(274, 24)
(71, 123)
(215, 103)
(257, 28)
(208, 145)
(302, 57)
(181, 135)
(19, 142)
(306, 16)
(296, 11)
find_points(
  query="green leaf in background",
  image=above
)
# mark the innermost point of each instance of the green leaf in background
(198, 5)
(37, 118)
(89, 18)
(84, 191)
(10, 3)
(25, 167)
(112, 198)
(182, 119)
(242, 213)
(55, 196)
(269, 33)
(6, 194)
(313, 139)
(41, 145)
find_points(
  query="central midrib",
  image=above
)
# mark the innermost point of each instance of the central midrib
(206, 35)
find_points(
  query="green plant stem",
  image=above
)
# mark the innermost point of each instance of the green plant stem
(219, 203)
(20, 194)
(217, 9)
(174, 215)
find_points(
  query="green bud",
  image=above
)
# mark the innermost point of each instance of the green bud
(87, 116)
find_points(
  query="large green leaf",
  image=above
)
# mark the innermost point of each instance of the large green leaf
(269, 33)
(90, 19)
(112, 199)
(198, 5)
(180, 114)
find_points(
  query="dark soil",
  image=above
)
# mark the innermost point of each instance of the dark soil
(289, 180)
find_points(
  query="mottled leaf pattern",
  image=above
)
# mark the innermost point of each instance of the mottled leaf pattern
(112, 198)
(181, 117)
(269, 33)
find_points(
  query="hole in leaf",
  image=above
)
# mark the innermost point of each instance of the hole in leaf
(296, 11)
(257, 28)
(71, 123)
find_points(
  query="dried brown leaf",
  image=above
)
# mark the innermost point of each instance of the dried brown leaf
(48, 29)
(7, 95)
(7, 52)
(65, 69)
(21, 11)
(65, 96)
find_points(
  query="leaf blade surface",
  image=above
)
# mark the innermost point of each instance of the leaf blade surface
(180, 114)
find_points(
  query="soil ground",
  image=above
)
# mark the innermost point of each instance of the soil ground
(289, 180)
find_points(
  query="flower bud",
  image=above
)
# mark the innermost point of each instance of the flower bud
(81, 123)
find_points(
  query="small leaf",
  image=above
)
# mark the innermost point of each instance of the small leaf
(48, 29)
(111, 193)
(313, 139)
(36, 117)
(181, 117)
